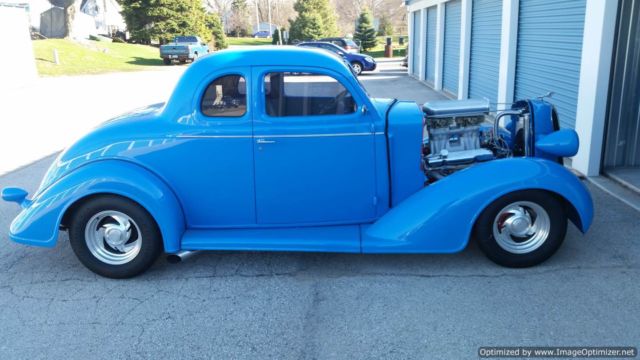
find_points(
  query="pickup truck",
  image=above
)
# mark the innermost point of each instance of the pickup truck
(258, 150)
(183, 48)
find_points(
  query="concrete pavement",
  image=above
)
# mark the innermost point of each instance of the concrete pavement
(245, 305)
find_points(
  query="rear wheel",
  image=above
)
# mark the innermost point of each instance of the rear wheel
(357, 67)
(114, 237)
(522, 229)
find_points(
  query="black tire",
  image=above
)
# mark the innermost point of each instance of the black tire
(557, 220)
(151, 238)
(166, 61)
(357, 67)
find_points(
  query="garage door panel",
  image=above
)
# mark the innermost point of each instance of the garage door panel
(549, 53)
(431, 44)
(452, 22)
(486, 24)
(415, 41)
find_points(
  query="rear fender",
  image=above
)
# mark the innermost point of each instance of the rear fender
(39, 221)
(440, 217)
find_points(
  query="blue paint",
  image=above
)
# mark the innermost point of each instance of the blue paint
(345, 183)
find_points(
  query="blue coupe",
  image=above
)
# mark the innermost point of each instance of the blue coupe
(281, 149)
(358, 62)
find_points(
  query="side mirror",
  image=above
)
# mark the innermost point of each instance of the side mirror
(13, 194)
(563, 143)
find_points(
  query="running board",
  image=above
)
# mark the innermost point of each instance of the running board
(321, 239)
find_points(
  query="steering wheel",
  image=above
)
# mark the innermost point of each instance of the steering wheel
(336, 105)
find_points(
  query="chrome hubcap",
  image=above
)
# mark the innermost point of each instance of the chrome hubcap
(357, 68)
(113, 237)
(521, 227)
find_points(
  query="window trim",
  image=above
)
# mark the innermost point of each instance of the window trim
(246, 95)
(263, 92)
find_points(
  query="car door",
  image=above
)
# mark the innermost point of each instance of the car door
(211, 167)
(313, 149)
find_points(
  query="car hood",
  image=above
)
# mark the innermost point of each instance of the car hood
(105, 140)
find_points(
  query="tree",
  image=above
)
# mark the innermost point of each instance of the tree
(275, 39)
(214, 25)
(365, 33)
(164, 19)
(385, 28)
(316, 19)
(238, 23)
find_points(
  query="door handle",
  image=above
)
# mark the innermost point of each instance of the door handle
(265, 141)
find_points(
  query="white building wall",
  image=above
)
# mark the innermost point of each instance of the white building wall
(599, 33)
(19, 68)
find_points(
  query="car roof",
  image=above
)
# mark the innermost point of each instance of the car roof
(266, 55)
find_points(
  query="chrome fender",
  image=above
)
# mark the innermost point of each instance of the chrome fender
(440, 217)
(41, 217)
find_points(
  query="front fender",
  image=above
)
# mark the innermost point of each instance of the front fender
(39, 221)
(440, 217)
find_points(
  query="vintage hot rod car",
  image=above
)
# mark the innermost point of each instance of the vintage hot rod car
(259, 150)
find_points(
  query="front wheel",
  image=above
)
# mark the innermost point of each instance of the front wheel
(522, 229)
(114, 237)
(166, 61)
(357, 67)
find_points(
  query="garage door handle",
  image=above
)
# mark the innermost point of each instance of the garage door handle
(265, 141)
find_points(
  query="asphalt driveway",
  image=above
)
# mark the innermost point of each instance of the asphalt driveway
(321, 306)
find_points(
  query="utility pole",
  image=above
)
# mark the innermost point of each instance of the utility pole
(257, 18)
(269, 12)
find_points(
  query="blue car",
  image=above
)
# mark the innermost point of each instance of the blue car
(358, 62)
(282, 149)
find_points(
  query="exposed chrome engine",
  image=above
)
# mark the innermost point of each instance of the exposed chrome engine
(459, 133)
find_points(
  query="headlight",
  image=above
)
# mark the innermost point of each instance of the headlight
(369, 59)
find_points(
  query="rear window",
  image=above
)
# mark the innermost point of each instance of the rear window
(226, 96)
(186, 39)
(351, 43)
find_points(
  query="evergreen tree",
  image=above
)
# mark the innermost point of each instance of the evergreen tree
(275, 39)
(365, 33)
(214, 24)
(316, 19)
(163, 20)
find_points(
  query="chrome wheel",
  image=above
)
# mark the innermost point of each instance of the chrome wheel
(357, 68)
(113, 237)
(521, 227)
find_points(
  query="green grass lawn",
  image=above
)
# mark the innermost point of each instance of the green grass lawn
(247, 41)
(92, 57)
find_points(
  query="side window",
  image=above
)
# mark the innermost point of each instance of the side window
(226, 96)
(306, 94)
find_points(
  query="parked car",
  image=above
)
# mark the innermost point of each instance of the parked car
(282, 149)
(405, 62)
(183, 48)
(262, 34)
(345, 43)
(358, 62)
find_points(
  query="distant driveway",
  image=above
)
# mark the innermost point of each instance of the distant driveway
(46, 116)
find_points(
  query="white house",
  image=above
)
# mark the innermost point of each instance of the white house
(585, 51)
